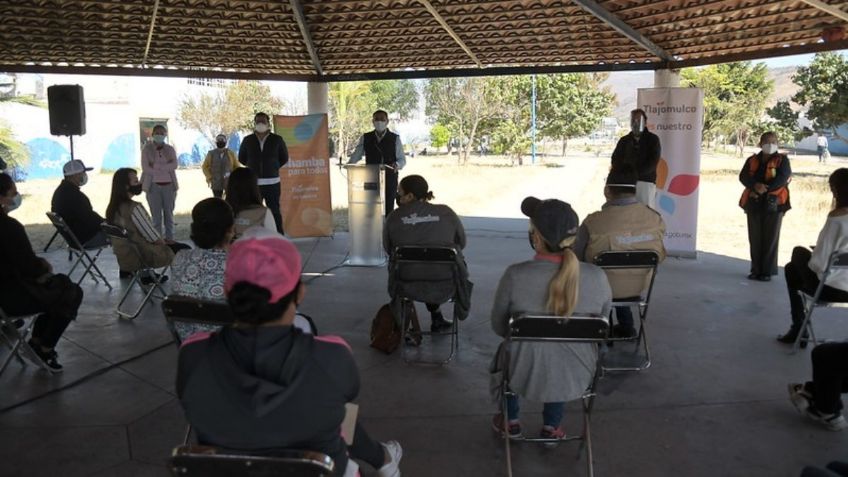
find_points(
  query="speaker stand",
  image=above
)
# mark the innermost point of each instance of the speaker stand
(71, 137)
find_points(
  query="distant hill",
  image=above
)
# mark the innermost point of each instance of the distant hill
(625, 83)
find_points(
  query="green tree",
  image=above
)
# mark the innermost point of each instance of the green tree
(350, 113)
(353, 103)
(784, 122)
(463, 104)
(398, 97)
(439, 135)
(14, 152)
(571, 105)
(229, 110)
(824, 90)
(734, 99)
(510, 132)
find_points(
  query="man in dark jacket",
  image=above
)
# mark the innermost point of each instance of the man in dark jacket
(75, 208)
(642, 149)
(28, 285)
(265, 153)
(382, 146)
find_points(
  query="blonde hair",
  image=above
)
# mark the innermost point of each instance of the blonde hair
(564, 286)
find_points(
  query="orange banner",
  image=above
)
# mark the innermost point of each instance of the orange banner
(305, 200)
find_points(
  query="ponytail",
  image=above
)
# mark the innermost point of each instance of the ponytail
(564, 286)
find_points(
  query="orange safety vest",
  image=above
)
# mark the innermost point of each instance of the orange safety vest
(782, 193)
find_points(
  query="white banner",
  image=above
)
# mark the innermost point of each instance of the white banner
(676, 116)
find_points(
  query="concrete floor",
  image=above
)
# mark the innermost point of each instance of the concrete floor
(713, 403)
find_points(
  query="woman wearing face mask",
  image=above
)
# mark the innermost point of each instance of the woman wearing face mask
(159, 180)
(418, 222)
(805, 270)
(218, 165)
(553, 282)
(28, 285)
(128, 214)
(766, 177)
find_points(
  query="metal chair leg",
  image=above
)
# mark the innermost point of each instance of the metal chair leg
(806, 326)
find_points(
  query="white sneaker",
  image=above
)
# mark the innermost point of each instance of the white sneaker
(799, 397)
(833, 422)
(392, 467)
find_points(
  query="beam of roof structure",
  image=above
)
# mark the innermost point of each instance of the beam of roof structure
(620, 26)
(831, 9)
(297, 10)
(150, 33)
(438, 16)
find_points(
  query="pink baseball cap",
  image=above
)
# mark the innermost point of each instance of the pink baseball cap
(266, 259)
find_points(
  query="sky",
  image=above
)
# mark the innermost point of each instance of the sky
(795, 60)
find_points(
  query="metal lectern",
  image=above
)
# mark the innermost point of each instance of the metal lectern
(365, 214)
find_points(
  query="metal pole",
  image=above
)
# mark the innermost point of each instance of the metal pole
(71, 137)
(533, 119)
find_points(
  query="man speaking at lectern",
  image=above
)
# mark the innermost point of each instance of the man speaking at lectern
(382, 146)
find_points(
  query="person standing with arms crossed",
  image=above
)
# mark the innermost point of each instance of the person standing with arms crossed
(159, 180)
(265, 153)
(642, 149)
(382, 146)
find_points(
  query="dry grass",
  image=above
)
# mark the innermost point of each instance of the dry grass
(490, 187)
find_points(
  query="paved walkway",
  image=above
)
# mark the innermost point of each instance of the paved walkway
(713, 404)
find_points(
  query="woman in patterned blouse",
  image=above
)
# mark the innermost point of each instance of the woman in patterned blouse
(199, 272)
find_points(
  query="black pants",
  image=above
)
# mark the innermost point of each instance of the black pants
(391, 183)
(271, 195)
(834, 469)
(830, 376)
(366, 449)
(58, 301)
(763, 237)
(800, 277)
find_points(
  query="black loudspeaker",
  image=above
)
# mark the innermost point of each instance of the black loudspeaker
(67, 110)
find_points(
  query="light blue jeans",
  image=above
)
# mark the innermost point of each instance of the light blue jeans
(552, 412)
(161, 199)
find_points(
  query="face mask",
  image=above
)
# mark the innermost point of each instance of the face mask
(159, 138)
(135, 189)
(16, 202)
(84, 180)
(221, 144)
(380, 126)
(637, 126)
(769, 149)
(530, 239)
(397, 200)
(260, 128)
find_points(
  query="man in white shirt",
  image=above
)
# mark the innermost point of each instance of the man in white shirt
(821, 146)
(382, 146)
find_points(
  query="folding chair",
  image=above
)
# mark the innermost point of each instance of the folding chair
(80, 251)
(646, 260)
(578, 328)
(207, 461)
(430, 275)
(16, 340)
(187, 310)
(838, 260)
(116, 233)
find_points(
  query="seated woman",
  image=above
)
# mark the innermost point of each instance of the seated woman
(28, 285)
(553, 282)
(199, 272)
(416, 221)
(262, 384)
(820, 399)
(128, 214)
(246, 201)
(806, 268)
